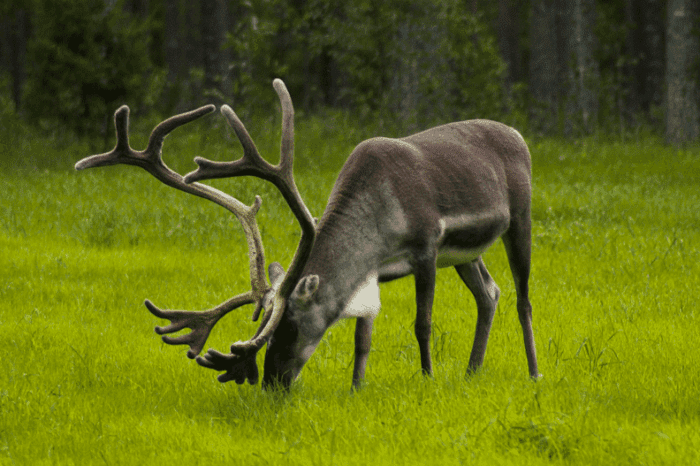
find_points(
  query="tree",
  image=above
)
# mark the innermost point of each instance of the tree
(15, 25)
(545, 68)
(414, 57)
(650, 37)
(585, 63)
(83, 63)
(213, 26)
(416, 63)
(508, 29)
(582, 70)
(682, 71)
(172, 53)
(564, 74)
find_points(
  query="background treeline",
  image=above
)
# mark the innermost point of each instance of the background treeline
(564, 67)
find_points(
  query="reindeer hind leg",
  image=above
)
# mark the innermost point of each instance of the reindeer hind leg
(517, 242)
(486, 293)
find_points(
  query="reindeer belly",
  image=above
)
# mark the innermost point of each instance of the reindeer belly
(465, 237)
(462, 238)
(451, 256)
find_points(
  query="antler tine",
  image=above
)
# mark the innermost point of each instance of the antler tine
(124, 154)
(252, 163)
(287, 144)
(291, 192)
(150, 160)
(121, 126)
(155, 141)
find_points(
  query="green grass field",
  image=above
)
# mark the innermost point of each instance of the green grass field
(85, 380)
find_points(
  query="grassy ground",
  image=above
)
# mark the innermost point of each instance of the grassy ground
(84, 380)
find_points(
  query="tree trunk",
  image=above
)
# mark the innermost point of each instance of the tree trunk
(15, 34)
(628, 103)
(645, 49)
(139, 8)
(682, 70)
(5, 45)
(563, 73)
(508, 31)
(212, 24)
(416, 58)
(173, 52)
(544, 66)
(404, 88)
(193, 48)
(651, 68)
(175, 56)
(225, 86)
(582, 69)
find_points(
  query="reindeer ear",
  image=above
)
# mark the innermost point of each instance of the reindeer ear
(306, 288)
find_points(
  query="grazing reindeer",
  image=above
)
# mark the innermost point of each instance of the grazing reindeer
(399, 207)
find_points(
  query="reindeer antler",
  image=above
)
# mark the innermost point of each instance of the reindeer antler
(151, 160)
(240, 364)
(281, 175)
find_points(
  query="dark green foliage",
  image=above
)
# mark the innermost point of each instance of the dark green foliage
(86, 57)
(407, 65)
(418, 63)
(397, 65)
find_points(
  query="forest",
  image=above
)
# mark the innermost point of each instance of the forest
(548, 67)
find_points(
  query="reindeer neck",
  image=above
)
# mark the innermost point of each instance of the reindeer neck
(345, 254)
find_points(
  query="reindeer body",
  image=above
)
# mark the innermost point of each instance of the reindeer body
(407, 206)
(399, 207)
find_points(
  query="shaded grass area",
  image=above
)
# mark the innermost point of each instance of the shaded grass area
(84, 380)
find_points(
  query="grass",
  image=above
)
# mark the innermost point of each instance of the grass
(84, 379)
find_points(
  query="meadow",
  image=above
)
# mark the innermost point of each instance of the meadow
(85, 380)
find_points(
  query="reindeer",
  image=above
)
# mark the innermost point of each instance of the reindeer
(399, 207)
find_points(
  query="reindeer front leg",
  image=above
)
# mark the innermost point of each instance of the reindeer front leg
(363, 342)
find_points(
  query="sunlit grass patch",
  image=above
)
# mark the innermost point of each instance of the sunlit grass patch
(85, 380)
